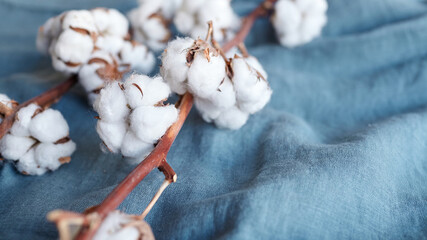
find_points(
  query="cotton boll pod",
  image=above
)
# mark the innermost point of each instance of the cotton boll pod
(149, 123)
(28, 165)
(298, 22)
(117, 226)
(252, 90)
(110, 22)
(79, 19)
(112, 134)
(206, 73)
(23, 119)
(111, 105)
(73, 47)
(141, 90)
(88, 74)
(174, 64)
(13, 147)
(111, 44)
(49, 126)
(133, 147)
(137, 56)
(232, 118)
(207, 110)
(52, 155)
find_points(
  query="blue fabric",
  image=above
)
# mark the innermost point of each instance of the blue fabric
(340, 152)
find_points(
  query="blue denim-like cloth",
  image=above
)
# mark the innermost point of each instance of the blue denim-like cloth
(340, 152)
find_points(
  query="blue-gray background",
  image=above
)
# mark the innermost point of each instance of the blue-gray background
(340, 152)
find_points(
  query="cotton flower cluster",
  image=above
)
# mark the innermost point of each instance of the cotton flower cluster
(119, 226)
(150, 22)
(192, 16)
(94, 44)
(132, 116)
(38, 140)
(299, 21)
(226, 92)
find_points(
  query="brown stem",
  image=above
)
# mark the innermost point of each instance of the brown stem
(261, 10)
(154, 160)
(44, 100)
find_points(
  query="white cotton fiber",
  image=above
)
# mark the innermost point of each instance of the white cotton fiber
(133, 147)
(4, 99)
(138, 57)
(112, 228)
(232, 118)
(49, 126)
(82, 19)
(48, 155)
(110, 22)
(13, 147)
(22, 121)
(207, 110)
(27, 164)
(149, 123)
(73, 47)
(112, 133)
(112, 44)
(205, 76)
(111, 104)
(299, 21)
(141, 90)
(61, 66)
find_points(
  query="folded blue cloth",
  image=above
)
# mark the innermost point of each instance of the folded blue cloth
(340, 152)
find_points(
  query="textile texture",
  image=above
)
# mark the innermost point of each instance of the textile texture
(340, 152)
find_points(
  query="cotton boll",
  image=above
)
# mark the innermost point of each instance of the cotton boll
(89, 78)
(218, 11)
(48, 155)
(156, 33)
(82, 19)
(232, 119)
(298, 22)
(73, 47)
(224, 97)
(112, 134)
(133, 147)
(206, 109)
(45, 35)
(49, 126)
(22, 121)
(184, 21)
(149, 123)
(27, 164)
(4, 99)
(111, 104)
(112, 228)
(61, 66)
(112, 44)
(141, 90)
(174, 64)
(110, 22)
(13, 147)
(138, 57)
(252, 91)
(205, 76)
(256, 65)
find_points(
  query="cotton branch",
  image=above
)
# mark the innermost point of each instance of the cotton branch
(44, 100)
(262, 10)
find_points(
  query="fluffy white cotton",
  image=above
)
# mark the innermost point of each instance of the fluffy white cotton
(23, 119)
(110, 22)
(111, 104)
(4, 99)
(299, 21)
(49, 126)
(112, 134)
(207, 110)
(134, 147)
(193, 16)
(112, 228)
(232, 118)
(28, 164)
(141, 90)
(13, 147)
(46, 33)
(48, 155)
(205, 75)
(149, 123)
(64, 67)
(111, 44)
(174, 64)
(252, 89)
(73, 47)
(81, 19)
(138, 57)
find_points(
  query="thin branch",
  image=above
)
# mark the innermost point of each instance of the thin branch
(262, 10)
(43, 100)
